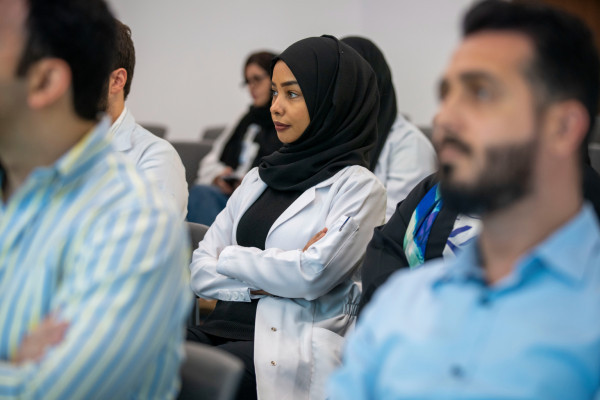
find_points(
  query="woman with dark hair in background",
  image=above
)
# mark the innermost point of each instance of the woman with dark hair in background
(282, 258)
(235, 152)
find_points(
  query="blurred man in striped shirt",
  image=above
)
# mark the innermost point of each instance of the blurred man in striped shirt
(93, 281)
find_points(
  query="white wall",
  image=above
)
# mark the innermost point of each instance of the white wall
(190, 53)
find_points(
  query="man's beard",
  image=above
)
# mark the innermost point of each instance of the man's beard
(506, 178)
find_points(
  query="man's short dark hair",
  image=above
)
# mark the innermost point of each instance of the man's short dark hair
(566, 64)
(80, 32)
(125, 54)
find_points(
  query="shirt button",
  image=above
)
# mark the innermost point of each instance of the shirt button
(274, 329)
(457, 372)
(273, 363)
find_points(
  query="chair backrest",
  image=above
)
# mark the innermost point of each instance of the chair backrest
(191, 154)
(209, 373)
(197, 232)
(212, 132)
(595, 156)
(156, 129)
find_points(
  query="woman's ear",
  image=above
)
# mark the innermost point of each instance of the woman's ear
(48, 80)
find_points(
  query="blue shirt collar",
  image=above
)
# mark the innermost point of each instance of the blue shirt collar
(91, 145)
(566, 252)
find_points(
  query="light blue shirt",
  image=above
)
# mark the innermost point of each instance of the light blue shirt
(90, 240)
(439, 332)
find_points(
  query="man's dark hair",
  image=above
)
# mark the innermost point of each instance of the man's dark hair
(125, 54)
(262, 59)
(565, 65)
(80, 32)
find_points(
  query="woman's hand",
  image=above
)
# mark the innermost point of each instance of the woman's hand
(315, 238)
(312, 241)
(223, 185)
(33, 347)
(260, 292)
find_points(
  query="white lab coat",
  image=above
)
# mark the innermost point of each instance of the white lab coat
(300, 328)
(406, 159)
(155, 157)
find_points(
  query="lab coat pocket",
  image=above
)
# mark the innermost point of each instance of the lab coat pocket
(327, 349)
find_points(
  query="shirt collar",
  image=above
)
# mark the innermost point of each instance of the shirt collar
(119, 133)
(93, 143)
(566, 252)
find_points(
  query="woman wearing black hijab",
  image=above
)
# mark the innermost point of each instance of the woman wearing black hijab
(403, 155)
(282, 258)
(239, 150)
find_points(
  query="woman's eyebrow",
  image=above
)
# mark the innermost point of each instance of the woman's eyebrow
(284, 84)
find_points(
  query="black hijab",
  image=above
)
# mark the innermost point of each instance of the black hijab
(387, 95)
(341, 95)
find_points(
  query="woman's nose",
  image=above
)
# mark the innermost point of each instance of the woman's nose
(276, 106)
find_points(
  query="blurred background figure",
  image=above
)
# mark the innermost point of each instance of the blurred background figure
(403, 155)
(254, 137)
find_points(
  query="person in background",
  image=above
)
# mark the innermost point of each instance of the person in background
(94, 290)
(283, 257)
(240, 149)
(154, 156)
(403, 155)
(422, 228)
(515, 314)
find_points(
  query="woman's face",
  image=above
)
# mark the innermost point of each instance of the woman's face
(288, 108)
(259, 85)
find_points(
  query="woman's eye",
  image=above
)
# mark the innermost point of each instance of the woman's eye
(482, 93)
(273, 93)
(293, 95)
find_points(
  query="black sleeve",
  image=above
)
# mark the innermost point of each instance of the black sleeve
(591, 187)
(385, 252)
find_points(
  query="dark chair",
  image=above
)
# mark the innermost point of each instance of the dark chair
(156, 129)
(209, 373)
(197, 232)
(595, 156)
(191, 154)
(212, 132)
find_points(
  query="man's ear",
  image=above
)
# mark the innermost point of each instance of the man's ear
(48, 80)
(568, 122)
(118, 79)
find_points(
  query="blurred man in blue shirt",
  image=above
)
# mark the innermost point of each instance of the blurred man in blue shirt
(516, 315)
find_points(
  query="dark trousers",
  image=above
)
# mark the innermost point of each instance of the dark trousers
(242, 349)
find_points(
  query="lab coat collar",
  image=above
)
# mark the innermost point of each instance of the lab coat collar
(257, 187)
(122, 130)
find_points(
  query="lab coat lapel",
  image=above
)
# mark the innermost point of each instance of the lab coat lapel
(122, 140)
(301, 202)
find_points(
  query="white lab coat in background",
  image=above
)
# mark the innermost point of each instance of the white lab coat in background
(155, 157)
(211, 165)
(406, 159)
(299, 329)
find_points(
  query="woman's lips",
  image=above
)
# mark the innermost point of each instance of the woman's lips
(280, 127)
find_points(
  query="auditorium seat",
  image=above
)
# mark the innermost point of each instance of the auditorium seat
(191, 154)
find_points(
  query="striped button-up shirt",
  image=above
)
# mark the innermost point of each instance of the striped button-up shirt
(89, 240)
